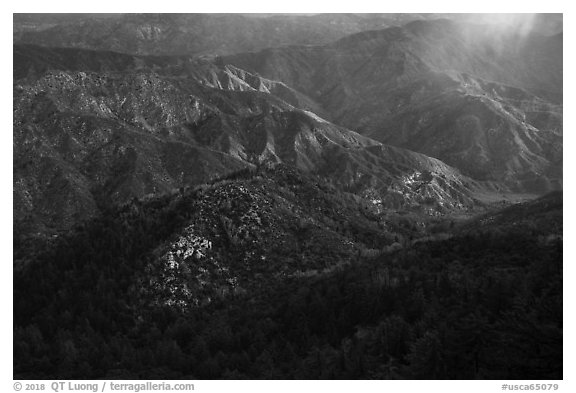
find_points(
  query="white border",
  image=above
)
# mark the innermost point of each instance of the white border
(299, 6)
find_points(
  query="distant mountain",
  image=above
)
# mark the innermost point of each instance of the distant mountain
(484, 100)
(102, 127)
(92, 129)
(36, 22)
(176, 34)
(323, 210)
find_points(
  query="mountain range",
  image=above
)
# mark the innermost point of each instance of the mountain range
(209, 34)
(96, 128)
(479, 110)
(488, 103)
(202, 196)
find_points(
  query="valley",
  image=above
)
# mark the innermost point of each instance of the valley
(330, 196)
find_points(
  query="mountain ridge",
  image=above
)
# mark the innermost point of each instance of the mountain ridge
(387, 84)
(142, 125)
(365, 208)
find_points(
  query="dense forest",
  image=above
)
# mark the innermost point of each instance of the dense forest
(486, 302)
(288, 196)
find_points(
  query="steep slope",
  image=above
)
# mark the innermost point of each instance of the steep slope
(93, 129)
(184, 218)
(542, 216)
(273, 273)
(530, 61)
(485, 101)
(487, 130)
(224, 240)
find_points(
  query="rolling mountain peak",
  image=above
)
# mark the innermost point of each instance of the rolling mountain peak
(287, 196)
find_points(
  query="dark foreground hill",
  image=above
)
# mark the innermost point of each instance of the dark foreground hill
(201, 218)
(273, 273)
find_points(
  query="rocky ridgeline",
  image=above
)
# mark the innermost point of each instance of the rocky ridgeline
(485, 102)
(270, 223)
(85, 139)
